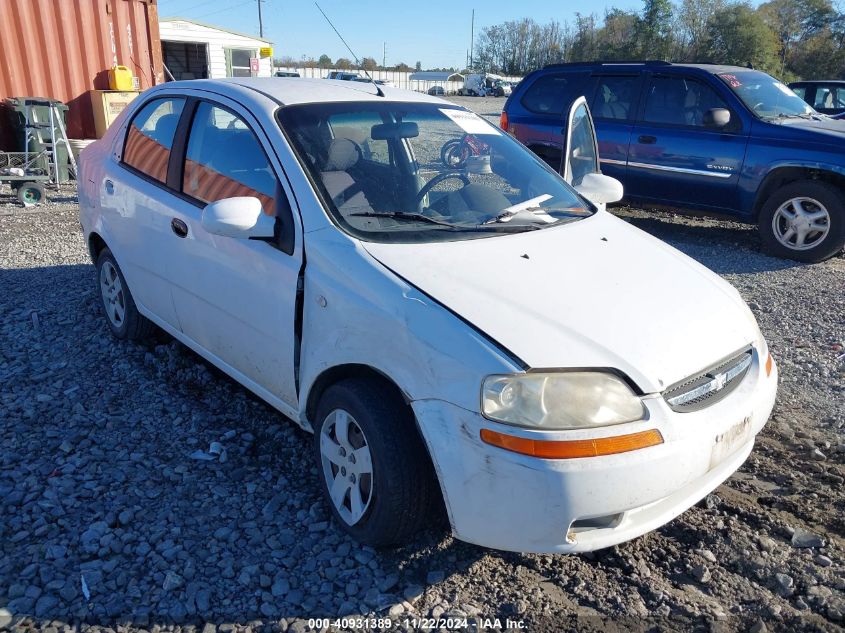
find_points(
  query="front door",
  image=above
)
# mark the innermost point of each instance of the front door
(235, 298)
(675, 156)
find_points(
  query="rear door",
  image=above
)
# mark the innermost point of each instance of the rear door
(135, 203)
(674, 157)
(539, 120)
(614, 108)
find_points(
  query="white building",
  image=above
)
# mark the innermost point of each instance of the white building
(194, 50)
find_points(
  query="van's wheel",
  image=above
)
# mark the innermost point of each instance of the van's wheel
(804, 221)
(124, 320)
(30, 193)
(374, 468)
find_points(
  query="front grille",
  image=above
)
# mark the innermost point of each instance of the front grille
(710, 386)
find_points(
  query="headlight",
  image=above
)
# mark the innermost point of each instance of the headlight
(560, 400)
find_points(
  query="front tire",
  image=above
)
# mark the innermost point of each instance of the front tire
(374, 469)
(804, 221)
(122, 316)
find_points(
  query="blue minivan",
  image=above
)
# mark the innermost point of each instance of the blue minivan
(719, 140)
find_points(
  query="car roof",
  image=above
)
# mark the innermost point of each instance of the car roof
(656, 65)
(293, 90)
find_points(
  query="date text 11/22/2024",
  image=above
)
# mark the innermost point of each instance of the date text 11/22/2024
(425, 624)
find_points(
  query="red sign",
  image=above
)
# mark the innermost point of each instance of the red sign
(253, 64)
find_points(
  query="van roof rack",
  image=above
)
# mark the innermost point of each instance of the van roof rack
(639, 62)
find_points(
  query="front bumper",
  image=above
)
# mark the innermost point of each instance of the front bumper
(504, 500)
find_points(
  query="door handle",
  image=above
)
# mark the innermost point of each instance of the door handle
(647, 139)
(179, 227)
(109, 186)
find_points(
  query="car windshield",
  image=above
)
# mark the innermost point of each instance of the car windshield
(766, 96)
(416, 172)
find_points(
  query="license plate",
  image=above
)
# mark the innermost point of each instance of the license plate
(729, 441)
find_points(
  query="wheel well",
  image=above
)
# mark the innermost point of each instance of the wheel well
(336, 374)
(342, 372)
(785, 175)
(95, 245)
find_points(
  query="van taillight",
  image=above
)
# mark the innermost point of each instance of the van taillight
(503, 121)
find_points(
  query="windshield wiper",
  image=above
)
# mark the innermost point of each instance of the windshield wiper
(418, 217)
(506, 215)
(403, 215)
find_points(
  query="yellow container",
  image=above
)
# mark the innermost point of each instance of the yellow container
(120, 78)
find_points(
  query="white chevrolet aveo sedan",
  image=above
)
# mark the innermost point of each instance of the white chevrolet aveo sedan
(480, 335)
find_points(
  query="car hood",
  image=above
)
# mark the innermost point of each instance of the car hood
(593, 293)
(825, 130)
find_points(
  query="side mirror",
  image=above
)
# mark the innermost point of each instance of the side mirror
(600, 189)
(717, 117)
(240, 217)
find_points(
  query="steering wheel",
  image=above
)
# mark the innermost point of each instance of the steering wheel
(758, 106)
(431, 184)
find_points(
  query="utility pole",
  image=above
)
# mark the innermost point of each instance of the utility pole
(471, 37)
(260, 21)
(384, 55)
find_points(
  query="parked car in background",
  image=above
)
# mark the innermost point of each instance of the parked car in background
(436, 91)
(713, 139)
(344, 76)
(501, 89)
(566, 403)
(827, 97)
(282, 73)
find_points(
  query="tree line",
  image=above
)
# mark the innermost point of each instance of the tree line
(790, 39)
(344, 63)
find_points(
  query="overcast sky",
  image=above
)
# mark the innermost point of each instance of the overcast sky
(434, 32)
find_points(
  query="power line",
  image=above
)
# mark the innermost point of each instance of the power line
(234, 6)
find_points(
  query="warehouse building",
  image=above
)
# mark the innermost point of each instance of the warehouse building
(195, 50)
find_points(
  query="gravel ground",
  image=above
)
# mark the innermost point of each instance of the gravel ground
(107, 519)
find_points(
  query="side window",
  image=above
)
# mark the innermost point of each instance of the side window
(830, 98)
(680, 101)
(582, 147)
(357, 127)
(801, 91)
(615, 97)
(225, 159)
(150, 137)
(824, 98)
(547, 95)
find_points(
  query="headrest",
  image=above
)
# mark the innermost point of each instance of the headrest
(343, 154)
(165, 128)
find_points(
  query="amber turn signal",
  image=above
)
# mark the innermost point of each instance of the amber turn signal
(769, 364)
(503, 121)
(572, 449)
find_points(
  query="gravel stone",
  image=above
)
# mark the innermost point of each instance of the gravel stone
(805, 538)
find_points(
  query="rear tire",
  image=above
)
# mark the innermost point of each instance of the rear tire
(30, 194)
(394, 485)
(122, 316)
(804, 221)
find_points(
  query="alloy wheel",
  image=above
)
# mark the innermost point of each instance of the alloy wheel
(801, 223)
(111, 290)
(347, 465)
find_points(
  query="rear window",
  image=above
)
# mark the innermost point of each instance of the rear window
(150, 137)
(550, 94)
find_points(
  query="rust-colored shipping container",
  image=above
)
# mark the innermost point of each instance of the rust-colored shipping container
(62, 49)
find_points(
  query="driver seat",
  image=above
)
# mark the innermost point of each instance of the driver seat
(346, 194)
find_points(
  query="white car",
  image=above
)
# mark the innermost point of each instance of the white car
(480, 338)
